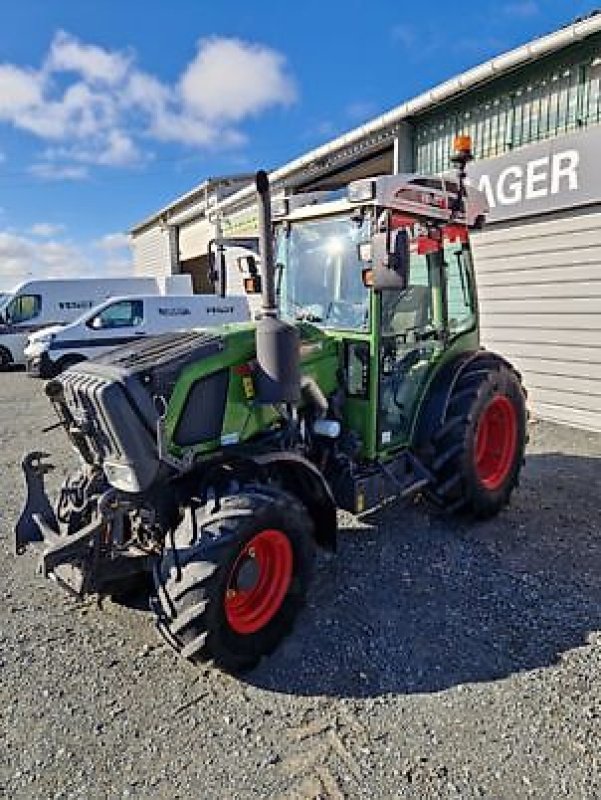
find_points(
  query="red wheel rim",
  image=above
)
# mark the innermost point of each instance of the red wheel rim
(259, 581)
(496, 441)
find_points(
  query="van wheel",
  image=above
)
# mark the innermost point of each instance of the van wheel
(5, 357)
(66, 362)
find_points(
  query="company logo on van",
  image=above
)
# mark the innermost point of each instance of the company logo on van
(71, 305)
(220, 310)
(174, 312)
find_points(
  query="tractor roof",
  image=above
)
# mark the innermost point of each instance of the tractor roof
(425, 197)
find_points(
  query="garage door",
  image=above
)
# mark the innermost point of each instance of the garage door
(539, 284)
(151, 252)
(194, 239)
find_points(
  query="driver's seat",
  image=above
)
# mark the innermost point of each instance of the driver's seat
(411, 310)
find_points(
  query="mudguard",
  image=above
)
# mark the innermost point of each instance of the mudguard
(302, 479)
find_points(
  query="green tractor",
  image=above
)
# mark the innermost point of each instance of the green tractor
(215, 461)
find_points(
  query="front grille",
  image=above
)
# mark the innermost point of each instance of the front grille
(83, 395)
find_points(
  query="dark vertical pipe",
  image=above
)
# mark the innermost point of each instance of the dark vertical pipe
(268, 301)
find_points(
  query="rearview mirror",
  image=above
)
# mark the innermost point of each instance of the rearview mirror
(247, 264)
(390, 258)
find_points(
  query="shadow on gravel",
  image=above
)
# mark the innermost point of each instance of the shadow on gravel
(413, 603)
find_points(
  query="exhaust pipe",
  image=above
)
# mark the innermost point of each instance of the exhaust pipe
(277, 342)
(268, 301)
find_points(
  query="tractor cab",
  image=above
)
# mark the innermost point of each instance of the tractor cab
(387, 271)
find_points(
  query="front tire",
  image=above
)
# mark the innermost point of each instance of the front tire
(479, 448)
(233, 580)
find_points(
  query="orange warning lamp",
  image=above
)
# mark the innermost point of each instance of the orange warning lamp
(462, 144)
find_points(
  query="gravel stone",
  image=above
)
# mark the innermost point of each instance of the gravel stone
(435, 659)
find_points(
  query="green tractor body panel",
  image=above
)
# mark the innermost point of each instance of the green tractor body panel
(243, 417)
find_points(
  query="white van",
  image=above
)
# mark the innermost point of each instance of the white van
(123, 320)
(33, 305)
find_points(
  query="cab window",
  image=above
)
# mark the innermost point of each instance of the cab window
(412, 309)
(460, 291)
(123, 314)
(23, 308)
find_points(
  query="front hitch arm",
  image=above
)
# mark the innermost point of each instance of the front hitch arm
(37, 506)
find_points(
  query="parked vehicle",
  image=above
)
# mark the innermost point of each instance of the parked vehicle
(126, 319)
(36, 304)
(216, 461)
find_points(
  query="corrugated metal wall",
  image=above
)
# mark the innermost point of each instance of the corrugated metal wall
(539, 284)
(151, 252)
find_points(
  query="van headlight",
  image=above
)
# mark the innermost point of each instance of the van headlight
(45, 338)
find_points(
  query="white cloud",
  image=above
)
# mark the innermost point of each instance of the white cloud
(361, 110)
(230, 79)
(95, 64)
(58, 172)
(20, 89)
(404, 34)
(46, 229)
(113, 241)
(97, 108)
(24, 257)
(523, 9)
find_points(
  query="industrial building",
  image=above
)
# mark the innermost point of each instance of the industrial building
(534, 115)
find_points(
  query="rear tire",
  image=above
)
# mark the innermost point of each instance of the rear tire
(479, 448)
(231, 589)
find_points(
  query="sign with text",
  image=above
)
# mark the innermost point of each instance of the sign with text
(558, 173)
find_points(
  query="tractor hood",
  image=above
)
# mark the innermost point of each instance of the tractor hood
(117, 403)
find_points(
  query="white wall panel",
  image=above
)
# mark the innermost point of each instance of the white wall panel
(539, 283)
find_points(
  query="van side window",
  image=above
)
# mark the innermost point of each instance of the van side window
(23, 308)
(123, 314)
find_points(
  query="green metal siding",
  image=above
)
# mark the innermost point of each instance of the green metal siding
(554, 96)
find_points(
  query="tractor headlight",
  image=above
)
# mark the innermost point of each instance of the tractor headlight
(121, 477)
(360, 191)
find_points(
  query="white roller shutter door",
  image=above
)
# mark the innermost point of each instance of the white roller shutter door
(539, 283)
(194, 239)
(151, 252)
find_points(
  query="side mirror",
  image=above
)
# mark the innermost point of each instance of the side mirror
(390, 259)
(248, 264)
(252, 283)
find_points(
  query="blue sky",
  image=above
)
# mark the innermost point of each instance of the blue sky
(109, 110)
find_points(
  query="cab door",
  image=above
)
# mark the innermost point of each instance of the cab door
(411, 339)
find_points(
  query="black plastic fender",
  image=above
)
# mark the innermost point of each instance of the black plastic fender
(302, 479)
(433, 412)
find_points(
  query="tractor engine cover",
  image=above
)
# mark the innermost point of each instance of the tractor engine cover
(116, 402)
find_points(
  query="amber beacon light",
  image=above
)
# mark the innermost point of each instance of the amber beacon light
(463, 144)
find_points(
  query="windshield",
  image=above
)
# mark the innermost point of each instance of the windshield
(319, 273)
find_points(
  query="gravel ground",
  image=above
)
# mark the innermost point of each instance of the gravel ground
(434, 660)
